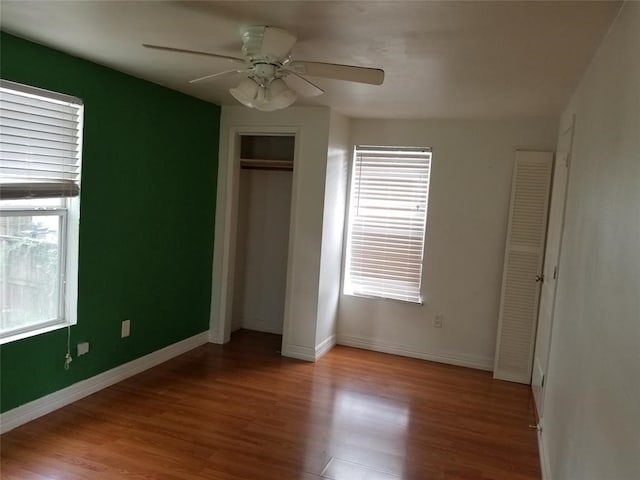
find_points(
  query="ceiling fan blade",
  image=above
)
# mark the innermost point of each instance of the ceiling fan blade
(217, 76)
(261, 41)
(193, 52)
(277, 42)
(302, 86)
(350, 73)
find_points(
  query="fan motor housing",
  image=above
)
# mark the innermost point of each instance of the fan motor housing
(264, 73)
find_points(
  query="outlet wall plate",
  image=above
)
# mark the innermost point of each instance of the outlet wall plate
(125, 331)
(83, 348)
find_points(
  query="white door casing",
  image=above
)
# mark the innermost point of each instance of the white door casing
(551, 262)
(222, 288)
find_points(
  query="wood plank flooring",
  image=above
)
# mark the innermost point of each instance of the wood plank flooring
(243, 412)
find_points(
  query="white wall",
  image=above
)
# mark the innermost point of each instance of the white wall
(333, 231)
(311, 127)
(262, 248)
(591, 428)
(466, 228)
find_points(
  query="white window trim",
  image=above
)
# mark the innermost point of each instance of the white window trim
(67, 309)
(347, 287)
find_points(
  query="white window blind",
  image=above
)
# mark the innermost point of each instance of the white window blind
(387, 220)
(40, 143)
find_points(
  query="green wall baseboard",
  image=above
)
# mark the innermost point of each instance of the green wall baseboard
(47, 404)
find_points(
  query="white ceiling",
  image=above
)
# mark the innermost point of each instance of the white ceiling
(442, 59)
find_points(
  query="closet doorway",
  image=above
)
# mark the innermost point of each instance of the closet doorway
(262, 246)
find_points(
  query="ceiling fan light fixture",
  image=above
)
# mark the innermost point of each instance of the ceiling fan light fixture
(247, 92)
(277, 96)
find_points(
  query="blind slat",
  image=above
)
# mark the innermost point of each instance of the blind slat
(26, 158)
(40, 165)
(42, 99)
(41, 118)
(12, 148)
(14, 175)
(38, 127)
(38, 142)
(32, 134)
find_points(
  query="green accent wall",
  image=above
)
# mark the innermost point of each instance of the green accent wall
(149, 166)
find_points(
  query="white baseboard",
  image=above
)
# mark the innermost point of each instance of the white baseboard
(213, 337)
(324, 347)
(299, 352)
(511, 377)
(544, 458)
(470, 361)
(37, 408)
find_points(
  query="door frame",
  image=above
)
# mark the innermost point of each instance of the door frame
(226, 228)
(567, 128)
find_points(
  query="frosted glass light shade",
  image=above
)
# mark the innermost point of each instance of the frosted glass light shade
(275, 96)
(246, 92)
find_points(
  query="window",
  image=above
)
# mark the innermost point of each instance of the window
(40, 158)
(387, 220)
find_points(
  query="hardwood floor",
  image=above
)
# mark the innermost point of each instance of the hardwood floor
(241, 411)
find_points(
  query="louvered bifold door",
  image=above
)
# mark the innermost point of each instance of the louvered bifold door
(522, 271)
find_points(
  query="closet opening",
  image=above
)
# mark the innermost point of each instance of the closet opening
(262, 240)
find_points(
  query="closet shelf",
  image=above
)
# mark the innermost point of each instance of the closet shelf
(264, 164)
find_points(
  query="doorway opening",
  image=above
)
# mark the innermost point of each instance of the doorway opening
(262, 236)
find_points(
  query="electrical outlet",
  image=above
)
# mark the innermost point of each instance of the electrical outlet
(83, 348)
(437, 321)
(126, 328)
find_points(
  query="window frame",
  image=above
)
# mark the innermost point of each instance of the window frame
(61, 213)
(69, 212)
(68, 266)
(347, 284)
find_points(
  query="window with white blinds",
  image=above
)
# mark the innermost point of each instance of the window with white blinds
(40, 143)
(40, 158)
(387, 222)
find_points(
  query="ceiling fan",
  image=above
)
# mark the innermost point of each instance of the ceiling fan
(273, 80)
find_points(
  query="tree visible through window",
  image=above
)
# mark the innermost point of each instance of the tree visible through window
(387, 221)
(30, 269)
